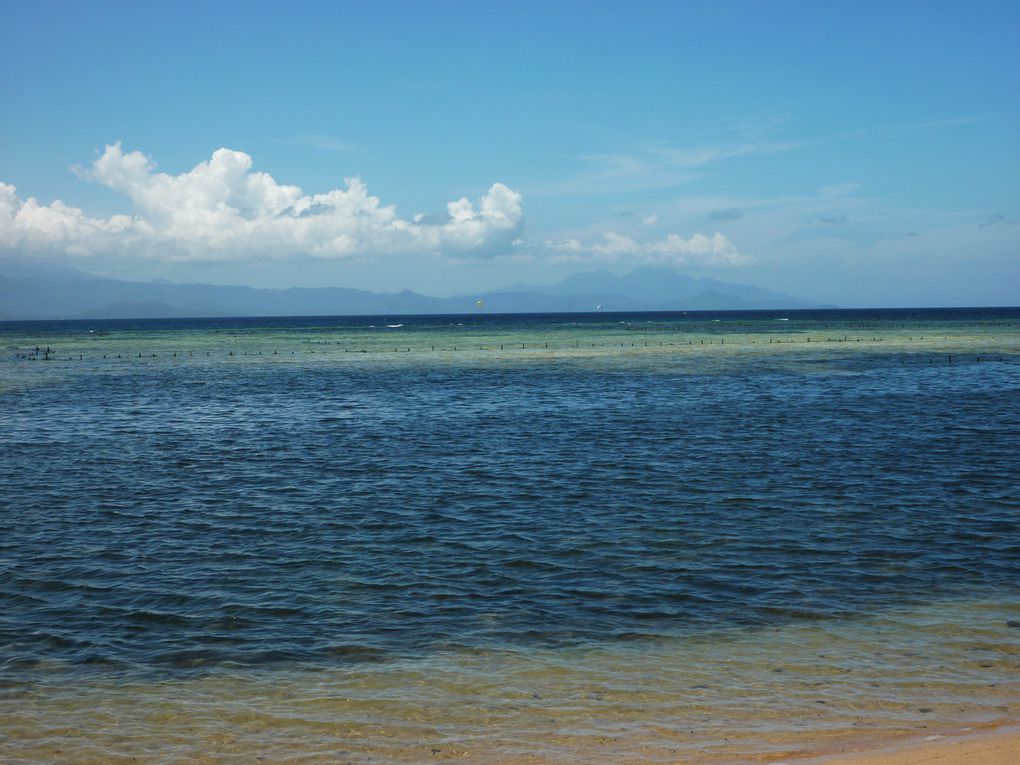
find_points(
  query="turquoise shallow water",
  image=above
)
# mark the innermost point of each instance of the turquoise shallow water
(516, 536)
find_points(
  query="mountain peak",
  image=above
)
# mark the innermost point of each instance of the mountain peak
(40, 293)
(658, 287)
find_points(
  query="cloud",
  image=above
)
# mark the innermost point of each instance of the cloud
(222, 210)
(651, 220)
(730, 213)
(951, 122)
(659, 166)
(698, 250)
(993, 219)
(655, 166)
(324, 142)
(839, 190)
(565, 245)
(831, 219)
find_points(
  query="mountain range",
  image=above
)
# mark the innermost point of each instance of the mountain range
(32, 291)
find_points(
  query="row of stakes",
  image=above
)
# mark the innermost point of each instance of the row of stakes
(48, 354)
(850, 325)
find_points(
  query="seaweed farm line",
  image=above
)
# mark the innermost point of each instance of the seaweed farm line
(74, 351)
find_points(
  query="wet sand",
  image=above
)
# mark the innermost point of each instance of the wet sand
(999, 746)
(796, 694)
(996, 747)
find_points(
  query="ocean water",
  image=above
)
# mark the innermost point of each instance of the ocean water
(592, 538)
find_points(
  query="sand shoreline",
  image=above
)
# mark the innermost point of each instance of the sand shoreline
(987, 744)
(997, 744)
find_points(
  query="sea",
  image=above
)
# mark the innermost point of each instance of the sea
(706, 537)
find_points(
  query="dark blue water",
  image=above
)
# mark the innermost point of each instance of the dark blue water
(164, 517)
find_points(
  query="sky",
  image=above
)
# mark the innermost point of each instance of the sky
(857, 153)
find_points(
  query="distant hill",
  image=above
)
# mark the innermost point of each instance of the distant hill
(665, 289)
(28, 291)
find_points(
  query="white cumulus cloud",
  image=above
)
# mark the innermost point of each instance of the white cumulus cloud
(698, 250)
(223, 210)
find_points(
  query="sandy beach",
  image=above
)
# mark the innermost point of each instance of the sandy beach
(995, 747)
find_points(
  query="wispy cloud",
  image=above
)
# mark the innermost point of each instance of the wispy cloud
(730, 213)
(994, 219)
(653, 167)
(839, 190)
(323, 142)
(951, 122)
(660, 166)
(614, 247)
(762, 127)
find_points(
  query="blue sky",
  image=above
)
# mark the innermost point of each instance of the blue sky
(855, 153)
